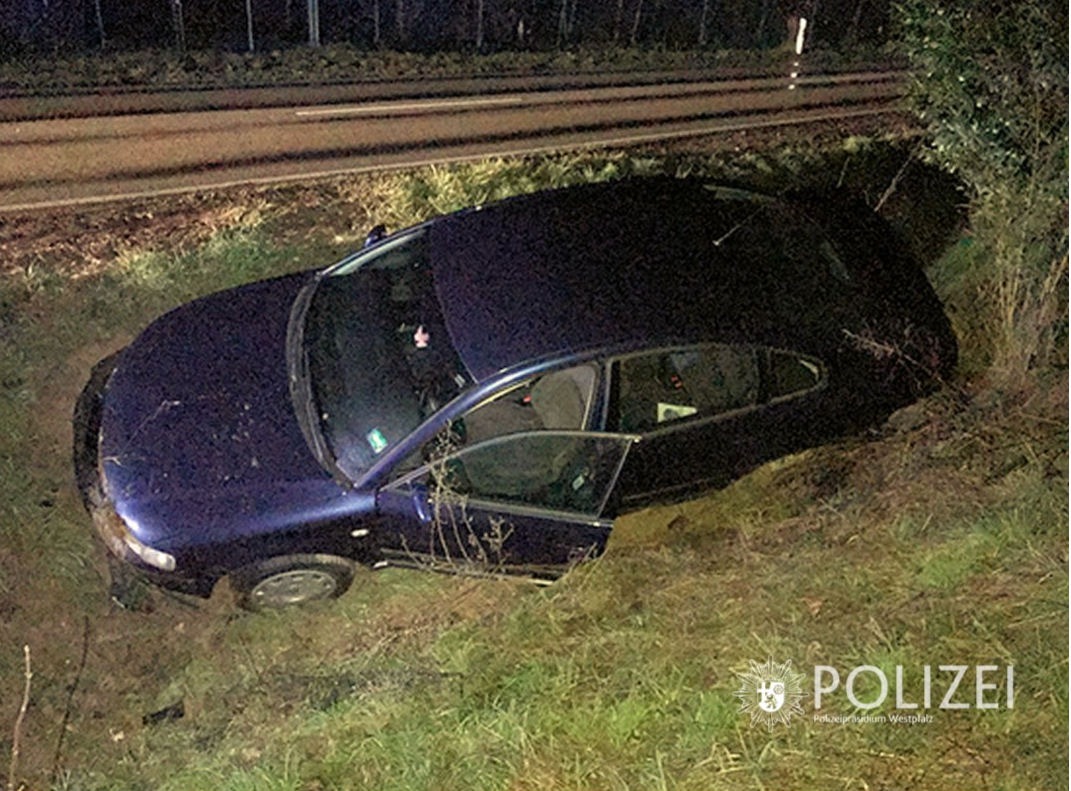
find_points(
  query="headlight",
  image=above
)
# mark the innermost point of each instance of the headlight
(122, 543)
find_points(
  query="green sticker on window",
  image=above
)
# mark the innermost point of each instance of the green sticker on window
(376, 440)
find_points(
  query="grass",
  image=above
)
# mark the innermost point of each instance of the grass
(944, 543)
(621, 675)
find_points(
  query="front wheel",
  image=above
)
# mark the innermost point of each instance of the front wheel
(291, 580)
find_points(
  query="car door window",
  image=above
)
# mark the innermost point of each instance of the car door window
(560, 471)
(560, 400)
(660, 388)
(671, 385)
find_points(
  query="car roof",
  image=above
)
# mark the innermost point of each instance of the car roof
(628, 264)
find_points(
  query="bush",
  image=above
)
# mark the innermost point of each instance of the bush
(991, 86)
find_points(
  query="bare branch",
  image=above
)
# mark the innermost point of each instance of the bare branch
(16, 737)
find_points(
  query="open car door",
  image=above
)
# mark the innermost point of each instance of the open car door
(528, 503)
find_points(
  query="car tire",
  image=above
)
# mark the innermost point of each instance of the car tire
(291, 580)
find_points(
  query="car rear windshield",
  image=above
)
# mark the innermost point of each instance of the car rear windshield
(379, 358)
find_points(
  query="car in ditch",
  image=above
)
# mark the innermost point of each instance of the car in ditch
(485, 392)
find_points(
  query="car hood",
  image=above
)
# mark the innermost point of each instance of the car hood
(199, 442)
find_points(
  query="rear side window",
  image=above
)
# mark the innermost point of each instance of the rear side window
(667, 386)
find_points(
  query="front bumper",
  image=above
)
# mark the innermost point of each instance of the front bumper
(126, 554)
(86, 420)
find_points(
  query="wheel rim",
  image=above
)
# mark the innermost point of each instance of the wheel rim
(293, 587)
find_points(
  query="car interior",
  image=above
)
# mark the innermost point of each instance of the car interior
(560, 400)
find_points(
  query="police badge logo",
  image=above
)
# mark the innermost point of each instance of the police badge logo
(770, 692)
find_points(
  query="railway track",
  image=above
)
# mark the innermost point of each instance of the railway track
(169, 143)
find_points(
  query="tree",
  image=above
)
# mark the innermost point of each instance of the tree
(179, 25)
(313, 9)
(479, 25)
(703, 32)
(990, 83)
(618, 16)
(98, 17)
(634, 36)
(249, 24)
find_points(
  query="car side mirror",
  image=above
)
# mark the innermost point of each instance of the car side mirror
(375, 235)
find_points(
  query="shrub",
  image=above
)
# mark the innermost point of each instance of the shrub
(991, 86)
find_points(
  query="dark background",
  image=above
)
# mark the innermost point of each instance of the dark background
(71, 26)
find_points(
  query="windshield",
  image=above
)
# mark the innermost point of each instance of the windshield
(377, 355)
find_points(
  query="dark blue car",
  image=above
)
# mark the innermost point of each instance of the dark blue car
(485, 392)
